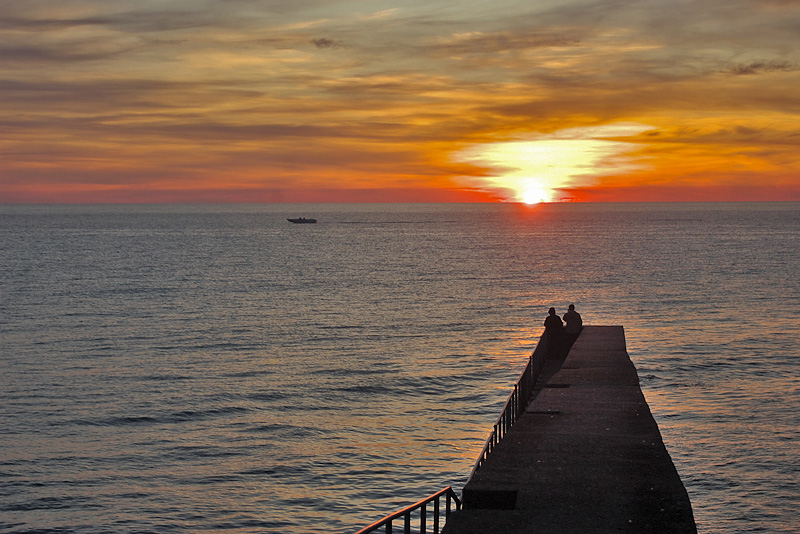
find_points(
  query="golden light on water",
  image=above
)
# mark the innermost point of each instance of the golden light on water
(543, 168)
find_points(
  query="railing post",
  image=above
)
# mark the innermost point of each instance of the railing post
(422, 519)
(532, 377)
(407, 526)
(436, 515)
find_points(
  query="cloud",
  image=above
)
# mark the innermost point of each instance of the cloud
(757, 67)
(326, 43)
(504, 41)
(64, 47)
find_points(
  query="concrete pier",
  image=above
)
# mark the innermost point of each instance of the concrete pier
(586, 457)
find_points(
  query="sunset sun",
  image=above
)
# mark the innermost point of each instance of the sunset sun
(535, 195)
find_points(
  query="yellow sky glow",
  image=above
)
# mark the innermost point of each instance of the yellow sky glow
(537, 170)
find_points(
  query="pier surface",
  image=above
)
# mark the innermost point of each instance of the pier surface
(586, 457)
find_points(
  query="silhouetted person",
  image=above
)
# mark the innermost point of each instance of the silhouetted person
(574, 326)
(552, 329)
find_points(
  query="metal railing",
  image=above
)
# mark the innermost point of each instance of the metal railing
(512, 410)
(517, 401)
(450, 499)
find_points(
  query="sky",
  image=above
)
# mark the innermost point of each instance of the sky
(405, 101)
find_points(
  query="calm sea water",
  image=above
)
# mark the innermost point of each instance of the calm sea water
(204, 368)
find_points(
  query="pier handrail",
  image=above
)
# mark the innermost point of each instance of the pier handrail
(517, 401)
(512, 410)
(405, 513)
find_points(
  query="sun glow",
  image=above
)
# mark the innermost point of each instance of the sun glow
(542, 168)
(535, 195)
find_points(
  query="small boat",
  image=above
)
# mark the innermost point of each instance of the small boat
(302, 220)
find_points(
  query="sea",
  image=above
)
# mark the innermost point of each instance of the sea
(207, 368)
